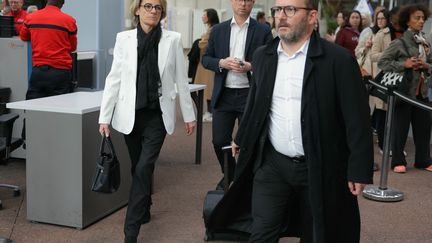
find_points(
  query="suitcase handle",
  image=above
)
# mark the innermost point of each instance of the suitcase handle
(227, 152)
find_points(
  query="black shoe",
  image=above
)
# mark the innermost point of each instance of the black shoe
(375, 167)
(130, 239)
(220, 185)
(146, 217)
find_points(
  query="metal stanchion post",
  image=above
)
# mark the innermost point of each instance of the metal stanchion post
(382, 192)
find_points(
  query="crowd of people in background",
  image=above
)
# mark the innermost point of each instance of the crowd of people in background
(374, 48)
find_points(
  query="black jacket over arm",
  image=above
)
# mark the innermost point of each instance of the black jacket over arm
(336, 134)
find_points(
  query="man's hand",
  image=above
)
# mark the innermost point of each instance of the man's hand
(235, 149)
(235, 64)
(104, 130)
(356, 188)
(190, 126)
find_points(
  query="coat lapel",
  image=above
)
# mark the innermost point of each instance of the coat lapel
(164, 46)
(268, 79)
(314, 50)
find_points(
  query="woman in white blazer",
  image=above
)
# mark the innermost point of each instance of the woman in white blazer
(139, 100)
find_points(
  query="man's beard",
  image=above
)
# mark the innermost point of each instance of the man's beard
(295, 33)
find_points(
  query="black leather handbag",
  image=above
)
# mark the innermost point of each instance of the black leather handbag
(107, 175)
(393, 79)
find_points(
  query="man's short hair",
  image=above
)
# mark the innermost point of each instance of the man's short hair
(313, 4)
(260, 15)
(57, 3)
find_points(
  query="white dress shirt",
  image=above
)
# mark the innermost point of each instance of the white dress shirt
(285, 126)
(237, 49)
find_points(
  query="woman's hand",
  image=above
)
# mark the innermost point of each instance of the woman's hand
(190, 126)
(368, 43)
(422, 65)
(104, 130)
(411, 63)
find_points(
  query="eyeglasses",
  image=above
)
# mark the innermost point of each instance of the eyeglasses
(244, 1)
(149, 7)
(289, 11)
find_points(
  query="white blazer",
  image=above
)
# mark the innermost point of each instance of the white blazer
(118, 102)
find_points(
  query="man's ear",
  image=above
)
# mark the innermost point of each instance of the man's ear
(313, 17)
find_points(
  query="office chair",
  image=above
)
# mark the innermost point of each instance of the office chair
(7, 145)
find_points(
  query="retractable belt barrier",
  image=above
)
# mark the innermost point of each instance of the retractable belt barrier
(382, 192)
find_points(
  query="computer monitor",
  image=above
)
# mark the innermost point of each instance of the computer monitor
(7, 27)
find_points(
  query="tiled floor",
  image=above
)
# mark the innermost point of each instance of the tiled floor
(180, 187)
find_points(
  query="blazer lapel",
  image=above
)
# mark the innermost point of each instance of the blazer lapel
(226, 38)
(164, 46)
(249, 36)
(132, 51)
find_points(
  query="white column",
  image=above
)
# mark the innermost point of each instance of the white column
(203, 4)
(186, 3)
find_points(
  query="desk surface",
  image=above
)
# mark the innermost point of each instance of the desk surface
(73, 103)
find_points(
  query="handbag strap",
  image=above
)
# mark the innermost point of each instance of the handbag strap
(107, 141)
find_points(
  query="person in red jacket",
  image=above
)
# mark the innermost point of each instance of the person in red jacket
(348, 36)
(53, 36)
(18, 13)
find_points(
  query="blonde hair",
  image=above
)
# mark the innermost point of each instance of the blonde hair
(136, 5)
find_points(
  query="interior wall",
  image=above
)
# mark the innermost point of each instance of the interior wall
(184, 16)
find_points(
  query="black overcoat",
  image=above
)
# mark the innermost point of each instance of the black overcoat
(336, 135)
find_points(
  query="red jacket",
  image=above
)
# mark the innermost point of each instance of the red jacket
(348, 38)
(19, 17)
(53, 37)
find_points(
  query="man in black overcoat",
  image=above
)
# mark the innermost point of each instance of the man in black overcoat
(308, 185)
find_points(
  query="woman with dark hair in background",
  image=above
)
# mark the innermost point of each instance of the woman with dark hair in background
(411, 52)
(383, 35)
(139, 100)
(348, 36)
(205, 76)
(340, 21)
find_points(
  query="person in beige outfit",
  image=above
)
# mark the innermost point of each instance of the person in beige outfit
(205, 76)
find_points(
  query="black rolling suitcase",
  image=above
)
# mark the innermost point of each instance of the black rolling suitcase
(213, 197)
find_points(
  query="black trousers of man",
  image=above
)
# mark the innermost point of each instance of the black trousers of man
(144, 144)
(47, 81)
(278, 182)
(230, 108)
(420, 120)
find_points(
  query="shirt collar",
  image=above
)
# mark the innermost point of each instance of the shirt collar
(303, 49)
(233, 22)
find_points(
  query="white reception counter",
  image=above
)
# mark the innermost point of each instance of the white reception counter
(62, 148)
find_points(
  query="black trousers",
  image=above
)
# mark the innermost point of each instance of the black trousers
(144, 144)
(380, 116)
(230, 108)
(420, 120)
(279, 183)
(47, 81)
